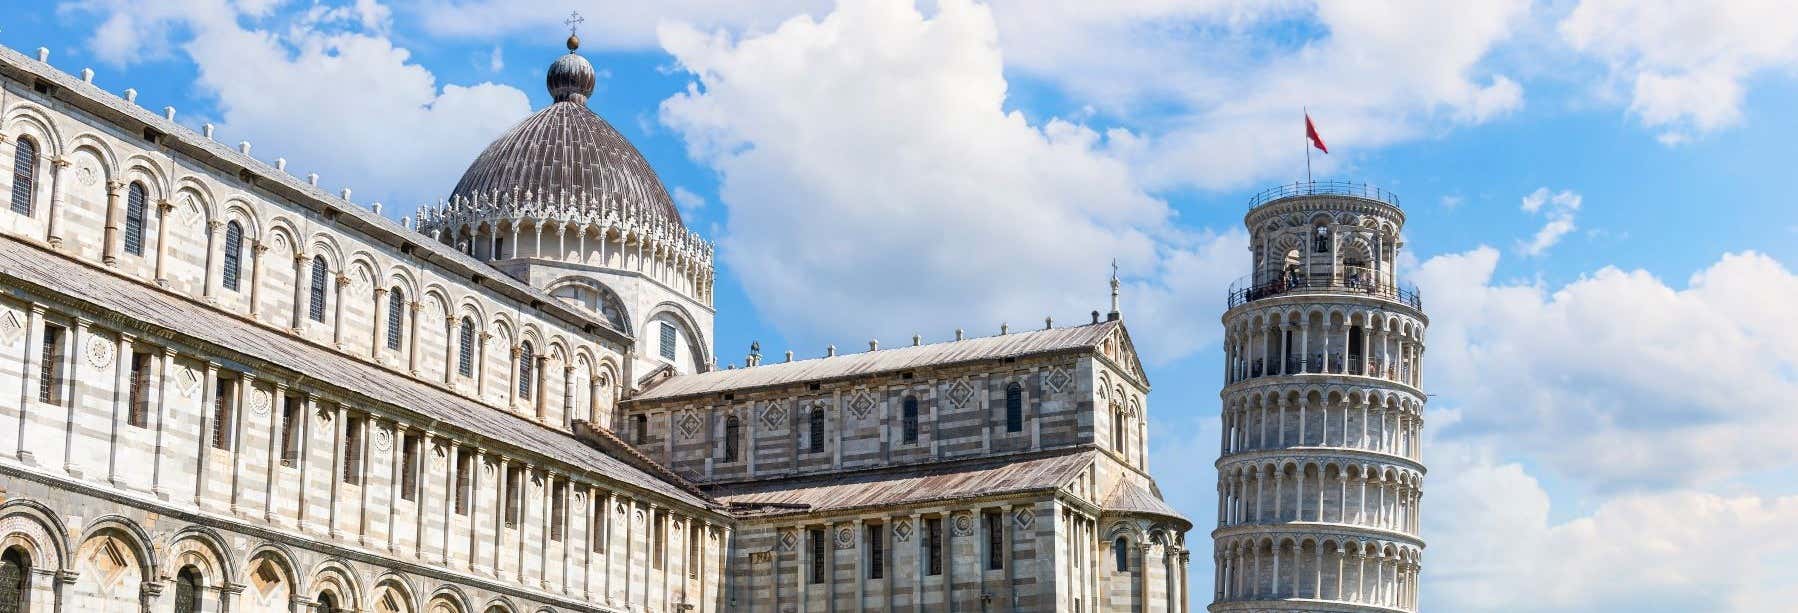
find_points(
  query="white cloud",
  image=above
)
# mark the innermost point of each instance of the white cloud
(497, 60)
(1685, 62)
(873, 149)
(1494, 546)
(1236, 95)
(1561, 207)
(609, 24)
(1617, 380)
(689, 202)
(326, 89)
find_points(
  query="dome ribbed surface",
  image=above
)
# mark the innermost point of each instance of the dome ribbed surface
(566, 149)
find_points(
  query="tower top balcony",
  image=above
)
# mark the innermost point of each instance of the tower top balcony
(1351, 281)
(1328, 187)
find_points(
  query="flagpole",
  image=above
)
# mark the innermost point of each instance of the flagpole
(1307, 147)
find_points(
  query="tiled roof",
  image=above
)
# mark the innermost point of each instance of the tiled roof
(910, 484)
(1131, 497)
(565, 149)
(884, 360)
(29, 265)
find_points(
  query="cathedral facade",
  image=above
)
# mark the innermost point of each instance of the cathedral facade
(225, 389)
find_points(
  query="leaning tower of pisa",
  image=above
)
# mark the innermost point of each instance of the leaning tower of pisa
(1319, 476)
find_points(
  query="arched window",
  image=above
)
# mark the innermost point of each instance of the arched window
(465, 354)
(135, 198)
(1117, 431)
(15, 580)
(234, 254)
(732, 432)
(524, 370)
(327, 603)
(320, 276)
(24, 175)
(1120, 549)
(1014, 408)
(910, 420)
(396, 316)
(187, 590)
(817, 433)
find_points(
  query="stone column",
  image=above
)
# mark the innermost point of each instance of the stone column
(540, 388)
(300, 281)
(512, 380)
(337, 327)
(121, 398)
(54, 229)
(212, 258)
(72, 359)
(115, 218)
(165, 382)
(246, 389)
(277, 407)
(377, 338)
(208, 408)
(256, 251)
(308, 413)
(338, 460)
(451, 349)
(568, 405)
(412, 337)
(163, 208)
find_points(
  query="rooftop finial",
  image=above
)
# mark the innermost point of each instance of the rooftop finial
(1115, 313)
(574, 22)
(571, 78)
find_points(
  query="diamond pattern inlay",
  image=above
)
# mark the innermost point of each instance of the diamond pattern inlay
(1058, 379)
(959, 393)
(861, 405)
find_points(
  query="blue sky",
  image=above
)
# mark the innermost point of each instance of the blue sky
(1596, 195)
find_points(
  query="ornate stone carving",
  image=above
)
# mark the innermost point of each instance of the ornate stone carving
(960, 393)
(259, 402)
(99, 351)
(189, 382)
(861, 405)
(383, 439)
(689, 424)
(1058, 379)
(964, 524)
(845, 537)
(1024, 517)
(774, 416)
(902, 530)
(11, 329)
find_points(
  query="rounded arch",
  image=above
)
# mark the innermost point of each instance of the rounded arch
(499, 604)
(401, 276)
(34, 527)
(392, 593)
(204, 546)
(135, 541)
(697, 345)
(29, 119)
(109, 160)
(596, 296)
(325, 245)
(448, 598)
(245, 214)
(142, 168)
(334, 577)
(272, 576)
(199, 195)
(281, 228)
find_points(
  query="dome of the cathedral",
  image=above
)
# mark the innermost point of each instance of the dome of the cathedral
(565, 153)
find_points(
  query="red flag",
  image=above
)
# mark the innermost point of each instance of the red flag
(1311, 133)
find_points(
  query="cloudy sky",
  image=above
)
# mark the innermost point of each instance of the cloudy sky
(1598, 212)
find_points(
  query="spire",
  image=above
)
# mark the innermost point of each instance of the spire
(1115, 313)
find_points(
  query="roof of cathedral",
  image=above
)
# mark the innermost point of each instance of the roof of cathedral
(1131, 497)
(29, 265)
(885, 360)
(908, 484)
(565, 152)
